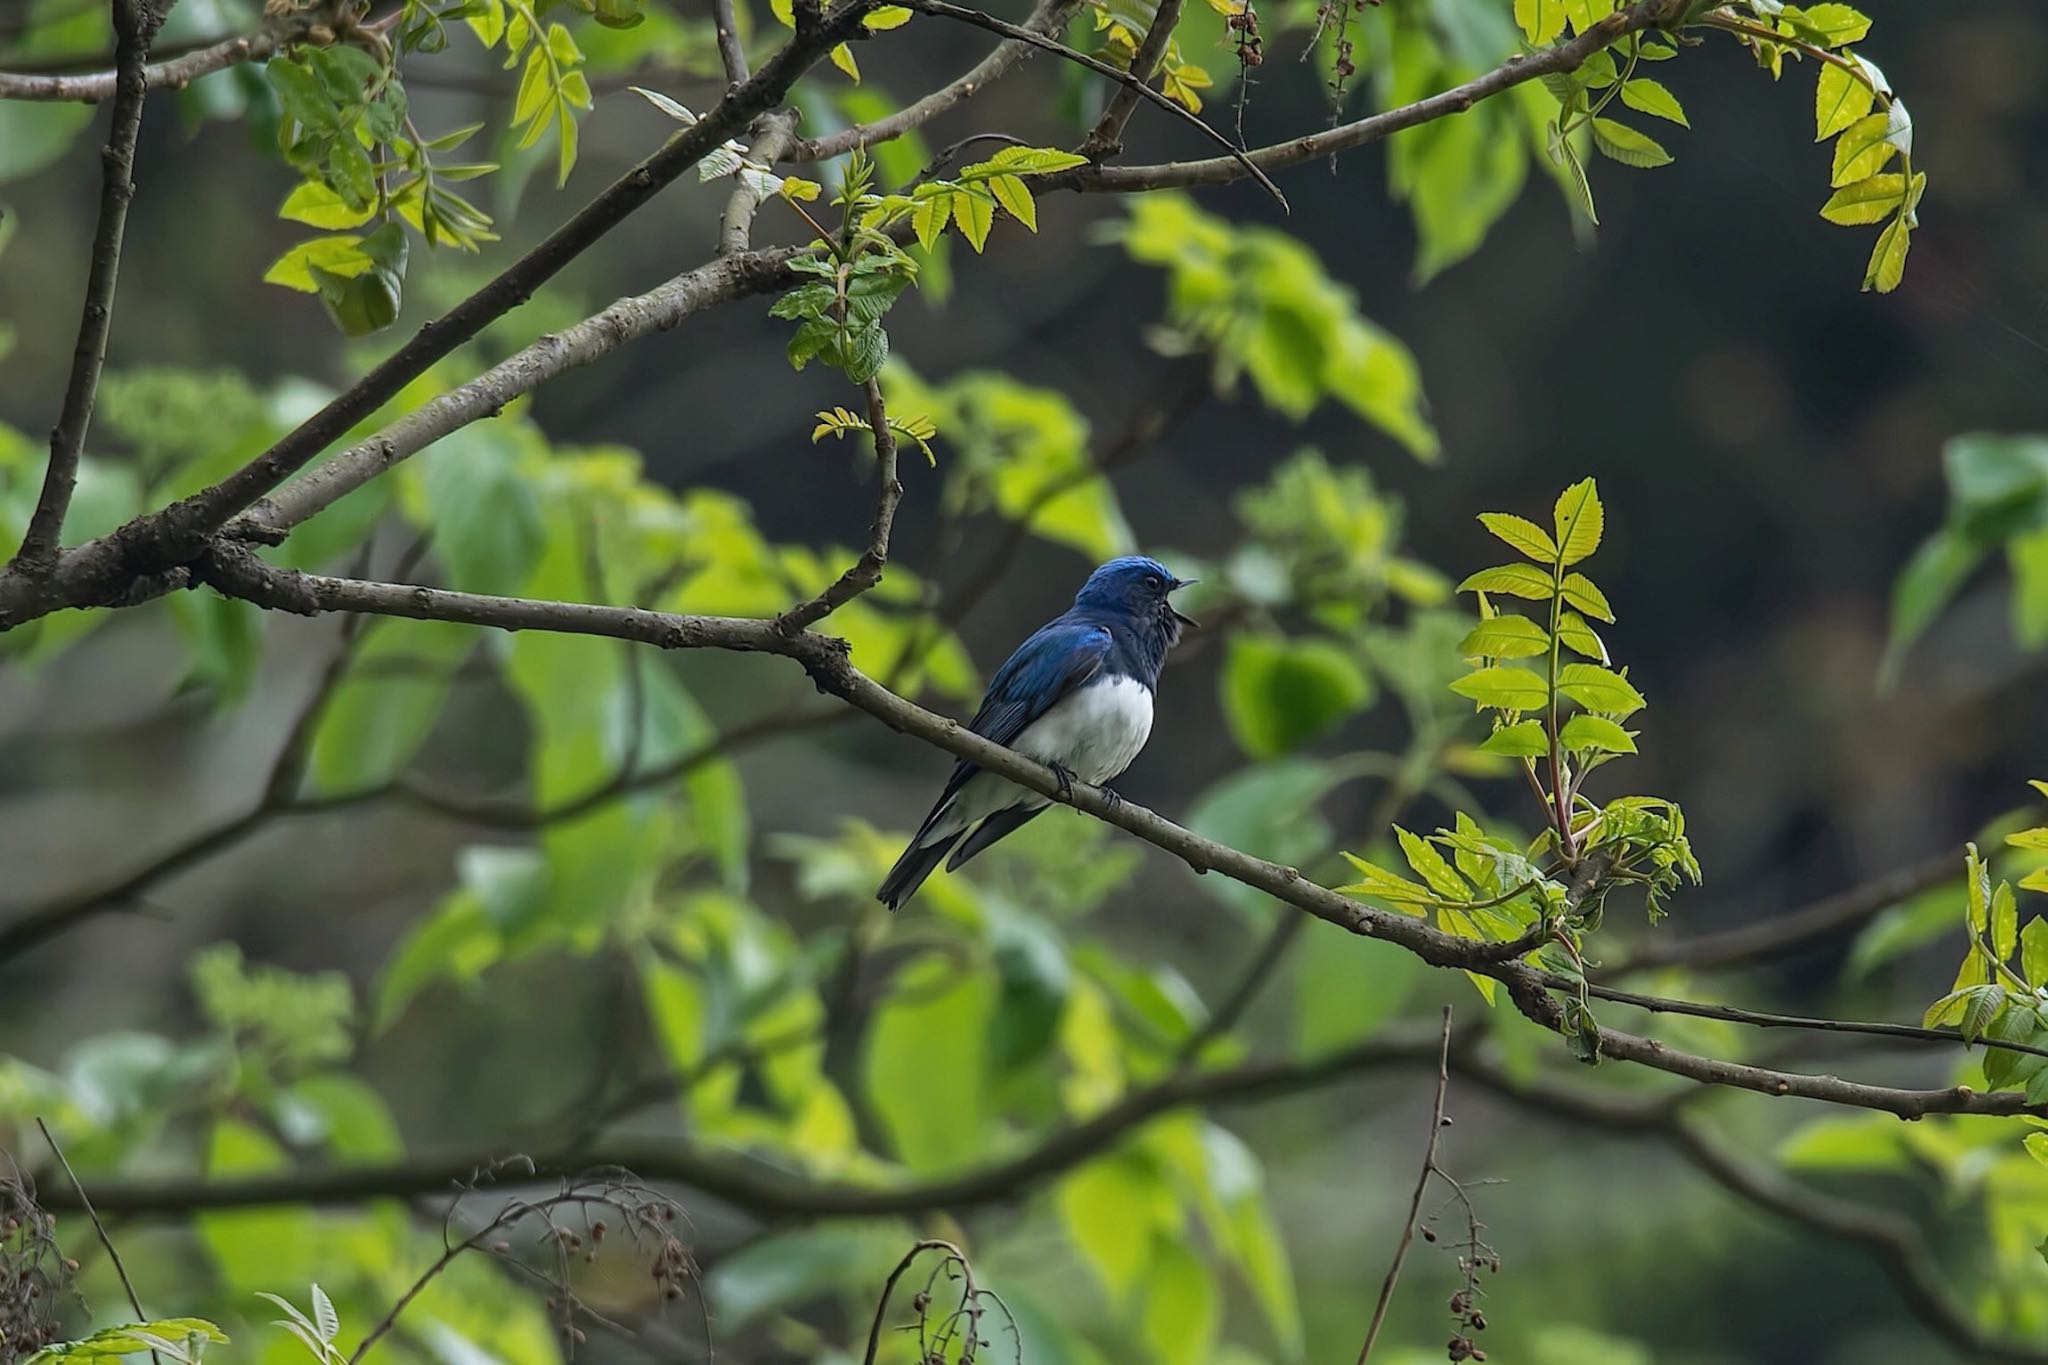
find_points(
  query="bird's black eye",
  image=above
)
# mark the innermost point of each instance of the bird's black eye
(1152, 582)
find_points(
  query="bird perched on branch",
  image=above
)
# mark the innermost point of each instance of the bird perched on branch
(1076, 696)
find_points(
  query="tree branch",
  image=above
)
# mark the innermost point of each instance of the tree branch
(730, 53)
(1436, 1128)
(239, 573)
(135, 25)
(106, 570)
(174, 74)
(1564, 56)
(627, 319)
(1245, 166)
(1107, 138)
(1048, 17)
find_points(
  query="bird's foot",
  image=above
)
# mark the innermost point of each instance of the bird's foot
(1112, 798)
(1067, 777)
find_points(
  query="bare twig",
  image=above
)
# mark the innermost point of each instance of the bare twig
(135, 25)
(1422, 1179)
(730, 54)
(99, 1228)
(1108, 135)
(1048, 16)
(865, 572)
(174, 74)
(945, 10)
(1564, 56)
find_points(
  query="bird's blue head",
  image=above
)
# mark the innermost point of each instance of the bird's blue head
(1137, 589)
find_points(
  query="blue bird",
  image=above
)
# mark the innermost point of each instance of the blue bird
(1076, 696)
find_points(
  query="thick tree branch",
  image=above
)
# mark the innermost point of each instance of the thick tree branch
(1048, 17)
(106, 571)
(135, 25)
(1245, 166)
(173, 74)
(627, 319)
(1564, 56)
(239, 573)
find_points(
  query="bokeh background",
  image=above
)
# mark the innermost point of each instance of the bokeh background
(1767, 440)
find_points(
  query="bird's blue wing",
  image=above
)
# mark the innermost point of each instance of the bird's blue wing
(1059, 658)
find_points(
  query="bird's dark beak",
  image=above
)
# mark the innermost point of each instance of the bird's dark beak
(1185, 620)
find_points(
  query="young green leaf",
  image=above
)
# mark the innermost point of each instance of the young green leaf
(1579, 590)
(1505, 637)
(1862, 150)
(1618, 142)
(928, 220)
(1574, 634)
(1585, 733)
(1599, 689)
(1839, 101)
(1508, 689)
(975, 212)
(1870, 200)
(1522, 534)
(1580, 520)
(1431, 867)
(1888, 258)
(2005, 924)
(1646, 96)
(1011, 193)
(1523, 739)
(1516, 580)
(1383, 885)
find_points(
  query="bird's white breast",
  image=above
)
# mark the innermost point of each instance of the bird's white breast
(1095, 730)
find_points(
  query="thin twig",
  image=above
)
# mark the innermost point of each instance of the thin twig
(135, 24)
(953, 1255)
(1436, 1127)
(1108, 134)
(865, 572)
(113, 1253)
(730, 53)
(173, 74)
(1049, 16)
(945, 10)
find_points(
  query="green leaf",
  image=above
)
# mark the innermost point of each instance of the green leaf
(1505, 637)
(1508, 689)
(1619, 142)
(976, 214)
(886, 17)
(1523, 534)
(1650, 97)
(1981, 1004)
(1599, 689)
(926, 1067)
(1574, 634)
(316, 205)
(1888, 258)
(1377, 883)
(1834, 25)
(1840, 100)
(341, 254)
(1516, 580)
(1182, 1310)
(1580, 520)
(1541, 21)
(1011, 193)
(1278, 694)
(1109, 1208)
(1523, 739)
(2005, 927)
(1348, 987)
(1584, 733)
(1025, 161)
(1863, 149)
(928, 220)
(2037, 1145)
(1579, 590)
(1866, 201)
(2034, 951)
(1430, 865)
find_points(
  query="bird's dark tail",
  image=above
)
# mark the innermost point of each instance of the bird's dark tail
(918, 862)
